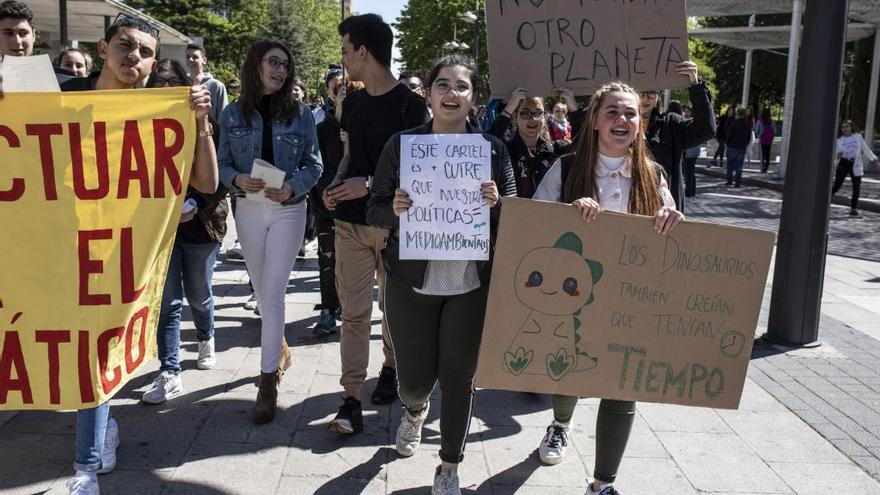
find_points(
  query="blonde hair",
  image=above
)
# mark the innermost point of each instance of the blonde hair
(644, 194)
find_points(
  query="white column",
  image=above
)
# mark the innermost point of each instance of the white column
(667, 97)
(747, 76)
(794, 43)
(872, 92)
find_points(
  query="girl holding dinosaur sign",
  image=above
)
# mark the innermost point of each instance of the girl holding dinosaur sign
(610, 170)
(435, 308)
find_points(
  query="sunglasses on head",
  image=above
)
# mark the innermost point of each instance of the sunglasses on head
(138, 23)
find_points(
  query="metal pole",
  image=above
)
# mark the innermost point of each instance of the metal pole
(747, 77)
(62, 13)
(796, 301)
(794, 42)
(475, 47)
(872, 92)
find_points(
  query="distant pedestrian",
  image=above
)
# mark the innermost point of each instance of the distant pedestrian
(558, 124)
(75, 61)
(765, 132)
(851, 153)
(720, 135)
(690, 161)
(196, 60)
(739, 137)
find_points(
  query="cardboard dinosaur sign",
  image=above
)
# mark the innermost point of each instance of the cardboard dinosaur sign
(612, 309)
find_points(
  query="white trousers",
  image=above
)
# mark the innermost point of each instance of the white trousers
(270, 237)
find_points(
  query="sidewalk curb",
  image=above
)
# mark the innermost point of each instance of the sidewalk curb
(872, 205)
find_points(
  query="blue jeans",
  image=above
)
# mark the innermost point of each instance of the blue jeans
(91, 424)
(735, 158)
(189, 272)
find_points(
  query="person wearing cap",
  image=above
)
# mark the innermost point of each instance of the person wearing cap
(331, 79)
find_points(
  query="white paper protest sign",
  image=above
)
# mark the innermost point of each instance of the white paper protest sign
(443, 173)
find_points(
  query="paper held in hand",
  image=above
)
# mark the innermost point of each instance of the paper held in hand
(273, 177)
(443, 175)
(29, 75)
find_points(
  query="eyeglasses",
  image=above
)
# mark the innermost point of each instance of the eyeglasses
(161, 83)
(444, 87)
(276, 63)
(413, 86)
(137, 22)
(536, 115)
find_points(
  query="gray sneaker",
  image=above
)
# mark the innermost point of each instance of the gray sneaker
(445, 483)
(108, 453)
(409, 433)
(207, 359)
(165, 386)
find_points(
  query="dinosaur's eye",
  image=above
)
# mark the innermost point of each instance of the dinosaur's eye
(570, 285)
(535, 279)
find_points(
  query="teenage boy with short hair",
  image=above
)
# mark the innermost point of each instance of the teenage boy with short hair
(370, 117)
(196, 58)
(17, 33)
(129, 53)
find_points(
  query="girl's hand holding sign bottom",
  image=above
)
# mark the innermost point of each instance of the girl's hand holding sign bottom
(401, 202)
(666, 219)
(588, 207)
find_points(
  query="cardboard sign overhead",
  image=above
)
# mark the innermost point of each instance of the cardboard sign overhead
(580, 44)
(612, 309)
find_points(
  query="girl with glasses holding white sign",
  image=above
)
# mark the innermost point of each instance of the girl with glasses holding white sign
(435, 308)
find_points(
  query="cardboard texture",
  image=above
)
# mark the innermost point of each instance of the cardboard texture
(580, 44)
(612, 309)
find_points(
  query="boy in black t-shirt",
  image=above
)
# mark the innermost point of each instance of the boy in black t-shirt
(370, 117)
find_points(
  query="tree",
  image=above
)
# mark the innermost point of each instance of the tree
(309, 27)
(423, 28)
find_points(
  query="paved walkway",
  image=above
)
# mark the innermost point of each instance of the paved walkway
(806, 425)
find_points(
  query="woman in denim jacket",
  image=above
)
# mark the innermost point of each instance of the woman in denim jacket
(270, 232)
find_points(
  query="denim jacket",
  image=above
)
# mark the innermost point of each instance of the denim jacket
(295, 147)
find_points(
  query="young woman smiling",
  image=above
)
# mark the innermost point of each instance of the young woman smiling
(611, 170)
(435, 308)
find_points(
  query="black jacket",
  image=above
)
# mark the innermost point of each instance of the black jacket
(528, 168)
(381, 214)
(738, 134)
(669, 134)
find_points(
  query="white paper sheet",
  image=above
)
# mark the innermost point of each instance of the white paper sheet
(29, 75)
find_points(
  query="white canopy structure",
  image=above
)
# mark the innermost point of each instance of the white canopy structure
(67, 22)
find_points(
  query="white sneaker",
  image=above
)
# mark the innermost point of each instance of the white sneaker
(206, 360)
(605, 490)
(165, 386)
(81, 485)
(409, 433)
(445, 483)
(111, 441)
(554, 445)
(251, 303)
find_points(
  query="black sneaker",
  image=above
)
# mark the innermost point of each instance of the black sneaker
(349, 419)
(854, 213)
(386, 389)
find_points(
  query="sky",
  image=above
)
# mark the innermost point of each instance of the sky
(389, 10)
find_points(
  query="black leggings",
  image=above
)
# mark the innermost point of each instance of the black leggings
(437, 338)
(844, 168)
(765, 157)
(613, 425)
(325, 230)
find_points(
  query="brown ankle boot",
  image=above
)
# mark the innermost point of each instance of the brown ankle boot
(267, 397)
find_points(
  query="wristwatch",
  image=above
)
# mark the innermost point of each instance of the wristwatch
(369, 182)
(207, 131)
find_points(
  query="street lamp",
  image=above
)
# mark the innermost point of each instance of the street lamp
(454, 45)
(474, 20)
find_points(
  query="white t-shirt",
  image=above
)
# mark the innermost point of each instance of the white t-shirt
(613, 178)
(848, 146)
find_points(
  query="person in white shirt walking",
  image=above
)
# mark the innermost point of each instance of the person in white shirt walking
(851, 153)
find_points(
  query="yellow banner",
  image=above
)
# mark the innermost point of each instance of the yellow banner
(91, 187)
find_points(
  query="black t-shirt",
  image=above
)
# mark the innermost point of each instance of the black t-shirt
(370, 121)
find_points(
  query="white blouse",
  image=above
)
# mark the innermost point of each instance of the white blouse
(613, 178)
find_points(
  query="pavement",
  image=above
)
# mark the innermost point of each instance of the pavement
(809, 421)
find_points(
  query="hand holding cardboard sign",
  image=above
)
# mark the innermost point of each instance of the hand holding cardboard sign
(401, 202)
(490, 193)
(667, 218)
(689, 69)
(588, 207)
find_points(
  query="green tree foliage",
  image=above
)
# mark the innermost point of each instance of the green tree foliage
(425, 25)
(229, 27)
